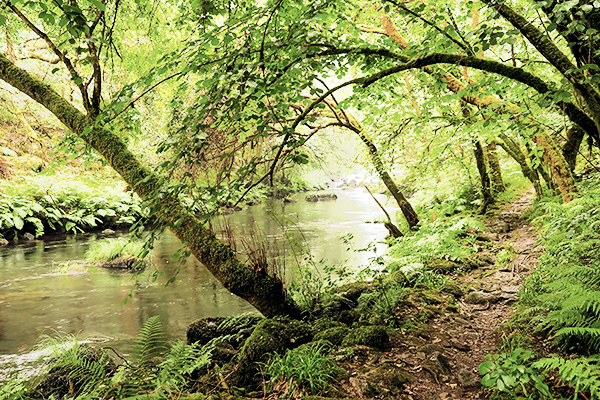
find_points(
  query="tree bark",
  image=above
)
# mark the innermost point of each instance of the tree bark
(486, 193)
(264, 292)
(571, 147)
(559, 167)
(490, 151)
(409, 213)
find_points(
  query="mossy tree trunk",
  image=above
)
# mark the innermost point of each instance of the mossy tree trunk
(264, 292)
(409, 213)
(571, 147)
(486, 193)
(559, 166)
(491, 153)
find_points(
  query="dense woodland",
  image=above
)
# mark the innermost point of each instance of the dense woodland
(480, 119)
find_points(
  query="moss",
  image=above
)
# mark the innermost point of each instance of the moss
(372, 336)
(349, 317)
(392, 377)
(334, 335)
(442, 266)
(352, 291)
(203, 330)
(453, 289)
(325, 323)
(274, 336)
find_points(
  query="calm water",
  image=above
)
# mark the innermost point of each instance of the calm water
(37, 296)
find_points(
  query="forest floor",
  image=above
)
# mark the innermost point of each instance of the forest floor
(441, 357)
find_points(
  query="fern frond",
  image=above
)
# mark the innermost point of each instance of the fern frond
(581, 373)
(585, 334)
(150, 343)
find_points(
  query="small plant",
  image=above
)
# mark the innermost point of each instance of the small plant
(306, 369)
(109, 249)
(513, 373)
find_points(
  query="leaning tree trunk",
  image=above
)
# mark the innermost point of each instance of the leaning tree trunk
(264, 292)
(409, 213)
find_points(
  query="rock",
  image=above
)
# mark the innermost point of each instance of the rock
(442, 266)
(269, 337)
(391, 376)
(28, 236)
(352, 291)
(468, 380)
(349, 317)
(364, 389)
(3, 242)
(320, 197)
(431, 348)
(459, 345)
(453, 289)
(372, 336)
(203, 330)
(129, 263)
(107, 232)
(437, 365)
(223, 353)
(487, 237)
(61, 382)
(482, 298)
(334, 335)
(289, 200)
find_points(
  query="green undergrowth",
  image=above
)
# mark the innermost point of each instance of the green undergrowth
(55, 203)
(110, 249)
(558, 307)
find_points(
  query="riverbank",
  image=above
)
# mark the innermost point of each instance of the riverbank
(378, 336)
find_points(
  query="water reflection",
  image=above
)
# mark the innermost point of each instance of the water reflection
(37, 296)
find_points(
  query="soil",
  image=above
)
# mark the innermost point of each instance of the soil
(440, 359)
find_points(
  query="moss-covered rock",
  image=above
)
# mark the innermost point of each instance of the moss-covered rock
(203, 330)
(352, 291)
(325, 323)
(372, 336)
(334, 335)
(349, 317)
(453, 289)
(391, 377)
(442, 266)
(274, 336)
(125, 262)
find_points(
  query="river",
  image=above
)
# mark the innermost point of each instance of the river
(38, 296)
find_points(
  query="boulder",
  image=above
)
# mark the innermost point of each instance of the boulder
(28, 236)
(203, 330)
(320, 197)
(129, 263)
(3, 242)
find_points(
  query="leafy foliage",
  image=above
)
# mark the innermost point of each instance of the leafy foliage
(109, 249)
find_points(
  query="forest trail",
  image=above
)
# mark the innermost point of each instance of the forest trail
(445, 360)
(440, 358)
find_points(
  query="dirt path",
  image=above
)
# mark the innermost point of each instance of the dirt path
(441, 358)
(446, 361)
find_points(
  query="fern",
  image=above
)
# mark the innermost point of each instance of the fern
(150, 343)
(582, 373)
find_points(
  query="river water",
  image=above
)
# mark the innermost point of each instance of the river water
(39, 296)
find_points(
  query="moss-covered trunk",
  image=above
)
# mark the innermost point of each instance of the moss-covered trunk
(486, 193)
(571, 147)
(264, 292)
(558, 165)
(491, 154)
(409, 213)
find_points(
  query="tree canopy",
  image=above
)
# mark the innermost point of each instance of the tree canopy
(250, 84)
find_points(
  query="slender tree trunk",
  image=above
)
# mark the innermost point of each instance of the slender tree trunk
(559, 166)
(264, 292)
(515, 152)
(486, 193)
(409, 213)
(490, 151)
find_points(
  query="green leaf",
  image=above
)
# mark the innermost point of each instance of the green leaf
(488, 381)
(486, 367)
(18, 222)
(99, 5)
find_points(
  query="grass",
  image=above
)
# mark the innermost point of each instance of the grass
(109, 249)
